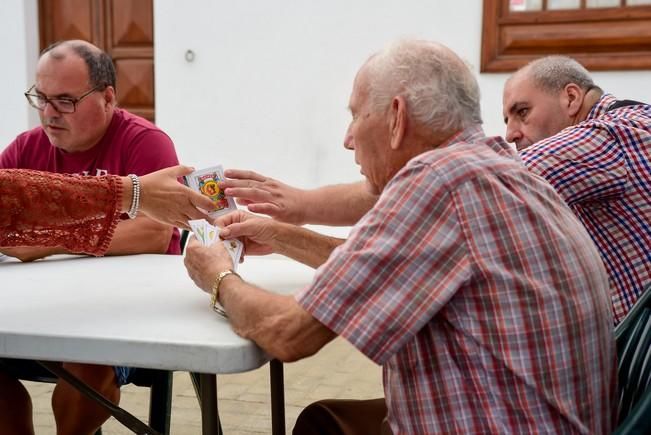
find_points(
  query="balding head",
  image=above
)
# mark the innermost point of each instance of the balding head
(101, 71)
(552, 73)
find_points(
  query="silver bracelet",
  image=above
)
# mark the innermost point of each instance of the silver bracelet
(135, 198)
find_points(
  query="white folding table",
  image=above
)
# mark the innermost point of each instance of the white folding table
(138, 310)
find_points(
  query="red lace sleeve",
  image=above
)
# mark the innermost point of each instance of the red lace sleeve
(44, 209)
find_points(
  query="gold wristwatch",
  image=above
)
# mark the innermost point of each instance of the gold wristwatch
(214, 301)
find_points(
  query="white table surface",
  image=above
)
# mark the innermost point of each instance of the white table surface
(139, 310)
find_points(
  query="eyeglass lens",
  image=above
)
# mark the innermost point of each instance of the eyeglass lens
(61, 105)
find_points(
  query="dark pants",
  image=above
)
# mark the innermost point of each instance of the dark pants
(344, 417)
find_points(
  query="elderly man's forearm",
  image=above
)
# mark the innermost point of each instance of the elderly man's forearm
(275, 322)
(303, 245)
(339, 204)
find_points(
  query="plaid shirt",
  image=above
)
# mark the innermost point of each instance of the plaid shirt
(480, 294)
(602, 169)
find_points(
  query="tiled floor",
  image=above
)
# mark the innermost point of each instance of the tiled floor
(338, 371)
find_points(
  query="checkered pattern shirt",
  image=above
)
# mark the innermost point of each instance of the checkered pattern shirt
(602, 169)
(480, 294)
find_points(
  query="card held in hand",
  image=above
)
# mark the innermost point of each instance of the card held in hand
(207, 234)
(205, 181)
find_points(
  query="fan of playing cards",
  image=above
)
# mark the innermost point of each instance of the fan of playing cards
(208, 234)
(206, 181)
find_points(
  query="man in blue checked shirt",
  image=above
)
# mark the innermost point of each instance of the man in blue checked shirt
(596, 152)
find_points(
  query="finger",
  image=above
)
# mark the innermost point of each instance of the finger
(182, 224)
(227, 219)
(266, 208)
(243, 201)
(192, 243)
(194, 213)
(224, 184)
(199, 200)
(244, 175)
(180, 170)
(186, 262)
(233, 231)
(249, 193)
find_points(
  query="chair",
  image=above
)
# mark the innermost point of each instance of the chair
(633, 337)
(184, 239)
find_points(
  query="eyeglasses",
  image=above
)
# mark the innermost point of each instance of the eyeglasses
(61, 105)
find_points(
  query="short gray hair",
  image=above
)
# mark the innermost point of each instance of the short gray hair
(553, 73)
(440, 90)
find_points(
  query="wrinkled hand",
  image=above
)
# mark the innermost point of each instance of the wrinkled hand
(265, 195)
(204, 263)
(256, 232)
(166, 200)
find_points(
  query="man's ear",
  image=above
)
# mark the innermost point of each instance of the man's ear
(109, 96)
(573, 97)
(397, 121)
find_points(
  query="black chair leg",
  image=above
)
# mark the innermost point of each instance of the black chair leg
(277, 380)
(198, 390)
(160, 403)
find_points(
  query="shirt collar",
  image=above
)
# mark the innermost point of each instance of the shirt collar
(601, 107)
(469, 134)
(475, 135)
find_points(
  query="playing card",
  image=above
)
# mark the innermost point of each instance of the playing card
(212, 234)
(206, 182)
(207, 234)
(234, 248)
(198, 228)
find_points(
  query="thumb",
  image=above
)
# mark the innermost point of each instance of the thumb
(181, 170)
(233, 231)
(225, 233)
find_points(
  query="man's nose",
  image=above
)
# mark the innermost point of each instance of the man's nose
(348, 140)
(49, 111)
(513, 133)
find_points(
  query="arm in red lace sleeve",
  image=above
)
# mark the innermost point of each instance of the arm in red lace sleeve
(45, 209)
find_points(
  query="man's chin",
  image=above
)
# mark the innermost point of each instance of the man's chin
(522, 145)
(56, 142)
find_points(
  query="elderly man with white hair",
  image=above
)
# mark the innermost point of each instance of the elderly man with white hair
(469, 281)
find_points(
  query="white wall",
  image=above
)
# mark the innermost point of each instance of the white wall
(270, 82)
(19, 47)
(269, 86)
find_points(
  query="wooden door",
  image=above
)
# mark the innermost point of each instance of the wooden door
(122, 28)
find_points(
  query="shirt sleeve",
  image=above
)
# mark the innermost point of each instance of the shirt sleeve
(584, 163)
(401, 264)
(45, 209)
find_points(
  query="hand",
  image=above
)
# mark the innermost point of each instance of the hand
(265, 195)
(204, 263)
(166, 200)
(257, 233)
(27, 254)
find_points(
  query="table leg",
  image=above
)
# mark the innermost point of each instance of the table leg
(208, 401)
(277, 397)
